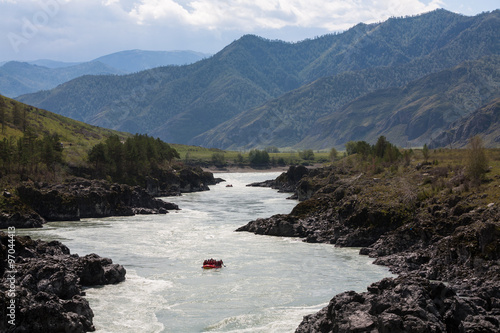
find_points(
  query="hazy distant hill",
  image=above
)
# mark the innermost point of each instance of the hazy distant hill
(18, 78)
(52, 63)
(181, 103)
(138, 60)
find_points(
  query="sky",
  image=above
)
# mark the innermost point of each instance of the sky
(82, 30)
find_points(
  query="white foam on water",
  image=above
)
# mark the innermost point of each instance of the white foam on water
(273, 320)
(129, 306)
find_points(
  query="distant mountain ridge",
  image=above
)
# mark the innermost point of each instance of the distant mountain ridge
(18, 78)
(138, 60)
(52, 63)
(257, 92)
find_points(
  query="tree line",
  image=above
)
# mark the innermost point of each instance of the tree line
(382, 150)
(130, 160)
(30, 154)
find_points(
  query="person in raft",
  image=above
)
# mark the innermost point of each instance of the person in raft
(213, 262)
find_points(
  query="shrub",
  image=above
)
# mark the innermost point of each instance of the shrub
(476, 161)
(307, 155)
(258, 157)
(218, 159)
(333, 155)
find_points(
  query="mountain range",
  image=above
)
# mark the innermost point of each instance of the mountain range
(409, 116)
(407, 78)
(18, 78)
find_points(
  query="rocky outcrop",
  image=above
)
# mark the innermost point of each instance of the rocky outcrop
(300, 181)
(407, 304)
(42, 283)
(287, 182)
(34, 203)
(467, 260)
(277, 225)
(184, 180)
(336, 214)
(28, 219)
(74, 199)
(80, 198)
(450, 236)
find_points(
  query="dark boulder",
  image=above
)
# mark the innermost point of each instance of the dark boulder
(404, 304)
(21, 220)
(45, 284)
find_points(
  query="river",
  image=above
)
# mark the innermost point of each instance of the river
(268, 284)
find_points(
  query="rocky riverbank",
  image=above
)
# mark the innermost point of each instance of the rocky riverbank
(75, 199)
(34, 203)
(183, 180)
(426, 224)
(41, 285)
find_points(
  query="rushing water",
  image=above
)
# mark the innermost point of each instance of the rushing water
(268, 284)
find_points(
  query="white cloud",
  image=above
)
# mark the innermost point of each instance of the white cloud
(274, 14)
(82, 29)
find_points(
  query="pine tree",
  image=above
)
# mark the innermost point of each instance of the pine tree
(425, 153)
(3, 106)
(17, 117)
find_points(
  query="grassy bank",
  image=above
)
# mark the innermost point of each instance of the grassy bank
(209, 157)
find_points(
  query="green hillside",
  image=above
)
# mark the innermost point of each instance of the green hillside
(18, 120)
(178, 104)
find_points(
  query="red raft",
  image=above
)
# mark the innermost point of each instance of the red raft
(212, 263)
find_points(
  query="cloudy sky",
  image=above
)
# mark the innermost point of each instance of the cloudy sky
(81, 30)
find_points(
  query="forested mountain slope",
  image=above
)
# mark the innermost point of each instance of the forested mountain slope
(288, 120)
(414, 114)
(334, 110)
(180, 103)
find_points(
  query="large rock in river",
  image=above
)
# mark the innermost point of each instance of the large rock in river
(44, 282)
